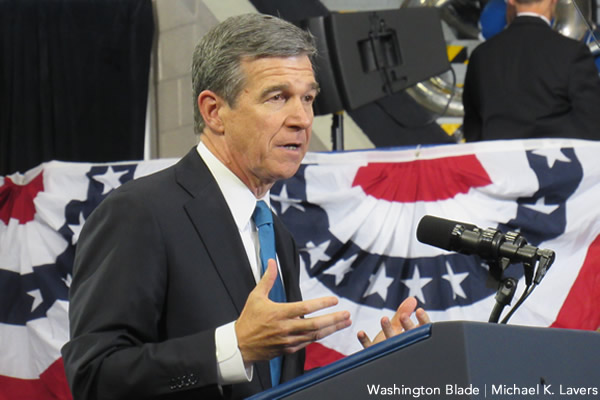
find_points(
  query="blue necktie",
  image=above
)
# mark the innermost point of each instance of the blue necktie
(266, 236)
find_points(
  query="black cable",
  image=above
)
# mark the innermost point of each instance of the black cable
(528, 290)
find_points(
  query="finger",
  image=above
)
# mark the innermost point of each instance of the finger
(407, 307)
(406, 322)
(364, 339)
(311, 325)
(330, 329)
(302, 308)
(268, 279)
(386, 327)
(303, 339)
(422, 317)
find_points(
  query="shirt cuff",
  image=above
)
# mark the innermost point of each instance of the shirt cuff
(230, 364)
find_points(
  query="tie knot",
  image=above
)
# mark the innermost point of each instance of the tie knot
(262, 214)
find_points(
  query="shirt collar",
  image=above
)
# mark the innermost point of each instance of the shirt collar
(239, 198)
(532, 14)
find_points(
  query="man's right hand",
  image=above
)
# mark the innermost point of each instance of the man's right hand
(266, 329)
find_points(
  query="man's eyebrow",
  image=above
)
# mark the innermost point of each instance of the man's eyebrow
(283, 87)
(275, 88)
(316, 86)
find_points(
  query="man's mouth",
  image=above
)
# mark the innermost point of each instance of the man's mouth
(291, 146)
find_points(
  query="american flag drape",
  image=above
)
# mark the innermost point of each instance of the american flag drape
(354, 216)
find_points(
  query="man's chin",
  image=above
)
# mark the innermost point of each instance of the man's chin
(286, 171)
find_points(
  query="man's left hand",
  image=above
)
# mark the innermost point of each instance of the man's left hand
(399, 323)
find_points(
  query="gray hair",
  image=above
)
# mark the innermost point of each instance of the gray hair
(216, 63)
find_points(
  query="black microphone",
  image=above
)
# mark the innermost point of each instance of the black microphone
(490, 244)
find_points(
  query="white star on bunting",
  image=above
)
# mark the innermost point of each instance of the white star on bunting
(541, 207)
(455, 281)
(110, 179)
(317, 253)
(379, 283)
(415, 285)
(67, 280)
(341, 268)
(76, 229)
(286, 202)
(552, 155)
(37, 298)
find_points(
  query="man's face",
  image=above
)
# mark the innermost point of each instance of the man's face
(268, 129)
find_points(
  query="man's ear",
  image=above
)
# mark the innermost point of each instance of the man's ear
(209, 104)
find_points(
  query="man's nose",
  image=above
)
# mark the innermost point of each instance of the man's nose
(300, 114)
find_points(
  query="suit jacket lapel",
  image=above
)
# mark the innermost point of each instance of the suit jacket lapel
(210, 215)
(289, 263)
(287, 254)
(216, 228)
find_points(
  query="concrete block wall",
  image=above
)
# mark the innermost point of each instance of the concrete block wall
(179, 25)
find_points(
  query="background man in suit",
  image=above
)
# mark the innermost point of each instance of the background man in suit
(167, 298)
(530, 81)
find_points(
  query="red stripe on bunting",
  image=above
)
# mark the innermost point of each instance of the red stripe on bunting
(16, 201)
(581, 309)
(318, 355)
(52, 385)
(422, 180)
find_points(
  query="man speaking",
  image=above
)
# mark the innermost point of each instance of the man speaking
(186, 285)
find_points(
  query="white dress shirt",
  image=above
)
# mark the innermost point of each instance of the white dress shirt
(532, 14)
(241, 203)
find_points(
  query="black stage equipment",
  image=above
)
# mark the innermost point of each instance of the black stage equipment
(366, 56)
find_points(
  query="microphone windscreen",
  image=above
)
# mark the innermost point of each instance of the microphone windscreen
(438, 231)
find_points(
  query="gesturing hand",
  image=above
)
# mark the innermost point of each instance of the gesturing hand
(266, 329)
(399, 323)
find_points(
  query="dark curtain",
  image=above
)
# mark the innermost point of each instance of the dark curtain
(73, 80)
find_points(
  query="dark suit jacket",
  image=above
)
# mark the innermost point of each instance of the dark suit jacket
(530, 82)
(159, 265)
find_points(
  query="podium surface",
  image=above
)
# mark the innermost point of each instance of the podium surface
(460, 360)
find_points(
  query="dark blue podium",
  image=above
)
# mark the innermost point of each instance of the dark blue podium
(460, 360)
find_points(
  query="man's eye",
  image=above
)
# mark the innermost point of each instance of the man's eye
(277, 97)
(309, 98)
